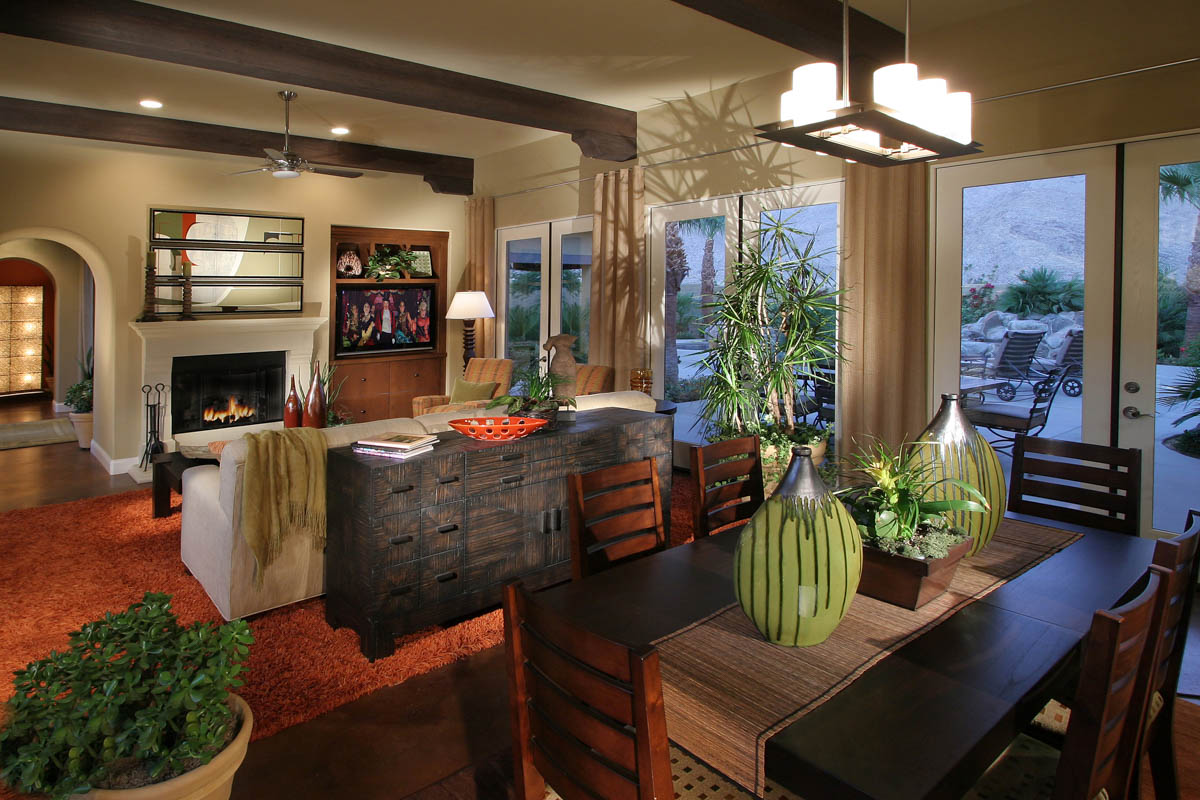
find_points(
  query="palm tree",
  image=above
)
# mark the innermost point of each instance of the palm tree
(677, 270)
(1182, 183)
(711, 228)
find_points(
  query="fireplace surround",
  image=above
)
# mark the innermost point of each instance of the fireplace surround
(225, 391)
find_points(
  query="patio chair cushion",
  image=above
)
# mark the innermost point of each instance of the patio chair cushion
(1014, 416)
(1027, 325)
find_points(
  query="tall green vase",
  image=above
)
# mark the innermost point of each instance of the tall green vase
(799, 558)
(963, 453)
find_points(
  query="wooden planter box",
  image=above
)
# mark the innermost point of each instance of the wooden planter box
(908, 582)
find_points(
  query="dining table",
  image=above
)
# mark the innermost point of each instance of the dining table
(923, 718)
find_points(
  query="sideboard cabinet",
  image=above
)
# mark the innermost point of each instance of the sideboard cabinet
(418, 542)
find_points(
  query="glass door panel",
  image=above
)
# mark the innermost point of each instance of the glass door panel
(1160, 346)
(523, 321)
(571, 312)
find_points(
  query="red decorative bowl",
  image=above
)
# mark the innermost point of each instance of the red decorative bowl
(497, 429)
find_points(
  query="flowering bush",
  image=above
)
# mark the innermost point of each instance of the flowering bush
(977, 302)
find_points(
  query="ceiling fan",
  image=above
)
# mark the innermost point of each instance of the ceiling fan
(287, 164)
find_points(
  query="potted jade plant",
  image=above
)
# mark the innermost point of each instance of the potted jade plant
(773, 346)
(79, 399)
(538, 400)
(137, 706)
(910, 547)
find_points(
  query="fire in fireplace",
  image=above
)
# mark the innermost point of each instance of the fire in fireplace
(226, 391)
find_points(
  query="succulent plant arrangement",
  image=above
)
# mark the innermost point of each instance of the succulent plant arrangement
(538, 393)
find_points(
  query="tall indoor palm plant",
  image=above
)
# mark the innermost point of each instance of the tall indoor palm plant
(772, 330)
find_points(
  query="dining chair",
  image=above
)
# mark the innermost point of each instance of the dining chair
(1178, 557)
(1006, 421)
(1097, 758)
(587, 714)
(1103, 485)
(616, 514)
(728, 481)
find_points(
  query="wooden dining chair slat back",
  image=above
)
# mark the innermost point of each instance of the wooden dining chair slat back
(587, 713)
(616, 513)
(1178, 558)
(728, 481)
(1106, 481)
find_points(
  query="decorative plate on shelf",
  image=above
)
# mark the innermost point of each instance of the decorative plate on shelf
(497, 429)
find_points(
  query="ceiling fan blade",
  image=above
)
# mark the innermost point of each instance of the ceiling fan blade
(257, 169)
(274, 154)
(340, 173)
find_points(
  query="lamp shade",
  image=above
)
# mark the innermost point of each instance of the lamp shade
(470, 305)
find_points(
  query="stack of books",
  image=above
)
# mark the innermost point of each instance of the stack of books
(396, 445)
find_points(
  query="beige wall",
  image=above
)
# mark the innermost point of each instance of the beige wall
(96, 197)
(67, 269)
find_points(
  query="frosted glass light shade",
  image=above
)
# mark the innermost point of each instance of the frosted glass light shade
(470, 305)
(896, 86)
(285, 173)
(929, 107)
(814, 92)
(958, 113)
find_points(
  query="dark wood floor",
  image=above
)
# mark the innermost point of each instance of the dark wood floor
(440, 736)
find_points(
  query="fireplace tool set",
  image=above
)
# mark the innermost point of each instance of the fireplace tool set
(154, 420)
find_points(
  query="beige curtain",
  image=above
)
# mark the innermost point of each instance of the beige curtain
(480, 272)
(617, 331)
(883, 383)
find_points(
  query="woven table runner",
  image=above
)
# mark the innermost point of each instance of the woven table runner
(727, 690)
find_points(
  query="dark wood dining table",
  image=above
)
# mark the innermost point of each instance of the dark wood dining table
(926, 720)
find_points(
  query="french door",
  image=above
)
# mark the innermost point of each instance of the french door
(1029, 244)
(545, 279)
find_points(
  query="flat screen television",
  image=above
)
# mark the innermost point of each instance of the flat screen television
(385, 319)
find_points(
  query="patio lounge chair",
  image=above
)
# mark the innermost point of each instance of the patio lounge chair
(1012, 358)
(1068, 358)
(1017, 418)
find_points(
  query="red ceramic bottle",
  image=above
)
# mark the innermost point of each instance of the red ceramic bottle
(314, 404)
(292, 412)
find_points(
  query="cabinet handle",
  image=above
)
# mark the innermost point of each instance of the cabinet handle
(511, 456)
(402, 489)
(447, 528)
(446, 576)
(401, 539)
(399, 590)
(512, 479)
(448, 479)
(416, 374)
(556, 517)
(363, 379)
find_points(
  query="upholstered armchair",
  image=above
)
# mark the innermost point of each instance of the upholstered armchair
(594, 378)
(479, 370)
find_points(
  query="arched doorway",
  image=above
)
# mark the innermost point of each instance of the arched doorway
(27, 327)
(104, 392)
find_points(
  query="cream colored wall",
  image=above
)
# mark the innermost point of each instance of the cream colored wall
(101, 193)
(67, 269)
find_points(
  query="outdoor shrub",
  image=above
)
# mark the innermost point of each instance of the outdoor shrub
(978, 302)
(1041, 292)
(1187, 443)
(1172, 315)
(685, 391)
(134, 686)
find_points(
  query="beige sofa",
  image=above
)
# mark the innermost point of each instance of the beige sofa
(217, 555)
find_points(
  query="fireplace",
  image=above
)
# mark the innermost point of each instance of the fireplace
(214, 392)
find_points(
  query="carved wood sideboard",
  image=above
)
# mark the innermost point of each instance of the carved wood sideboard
(417, 542)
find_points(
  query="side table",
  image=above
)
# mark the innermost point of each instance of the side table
(168, 474)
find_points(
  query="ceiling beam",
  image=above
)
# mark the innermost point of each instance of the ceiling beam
(814, 27)
(163, 34)
(446, 174)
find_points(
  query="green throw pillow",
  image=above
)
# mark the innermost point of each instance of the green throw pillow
(465, 391)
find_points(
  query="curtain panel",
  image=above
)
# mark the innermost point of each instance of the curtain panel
(480, 272)
(618, 328)
(883, 382)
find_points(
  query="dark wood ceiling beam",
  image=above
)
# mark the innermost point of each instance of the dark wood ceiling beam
(163, 34)
(815, 27)
(446, 174)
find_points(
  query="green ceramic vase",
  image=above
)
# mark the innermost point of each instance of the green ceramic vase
(799, 558)
(963, 453)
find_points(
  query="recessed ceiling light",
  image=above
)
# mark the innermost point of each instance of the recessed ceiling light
(148, 103)
(339, 131)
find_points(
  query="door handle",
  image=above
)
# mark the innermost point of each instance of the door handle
(1132, 412)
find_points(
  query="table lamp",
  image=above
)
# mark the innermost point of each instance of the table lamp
(469, 306)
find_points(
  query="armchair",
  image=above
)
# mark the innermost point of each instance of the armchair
(479, 370)
(594, 378)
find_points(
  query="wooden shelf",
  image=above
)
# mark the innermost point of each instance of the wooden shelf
(433, 281)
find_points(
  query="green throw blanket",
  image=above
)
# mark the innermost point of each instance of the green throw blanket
(283, 492)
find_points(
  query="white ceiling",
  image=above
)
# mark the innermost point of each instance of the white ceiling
(633, 54)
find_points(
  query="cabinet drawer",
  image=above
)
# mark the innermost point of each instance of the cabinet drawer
(442, 577)
(396, 589)
(397, 489)
(365, 409)
(442, 479)
(396, 539)
(441, 529)
(362, 380)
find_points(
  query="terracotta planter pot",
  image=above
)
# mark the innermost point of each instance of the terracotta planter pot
(213, 781)
(908, 582)
(83, 428)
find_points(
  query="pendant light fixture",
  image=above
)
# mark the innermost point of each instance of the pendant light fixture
(910, 119)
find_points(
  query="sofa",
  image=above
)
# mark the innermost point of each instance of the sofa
(219, 558)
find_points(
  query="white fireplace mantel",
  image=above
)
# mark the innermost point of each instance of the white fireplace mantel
(163, 341)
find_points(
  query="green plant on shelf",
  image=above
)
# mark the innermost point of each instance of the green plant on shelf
(135, 694)
(390, 263)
